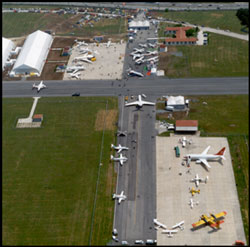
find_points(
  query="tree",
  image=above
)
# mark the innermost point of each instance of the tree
(243, 16)
(166, 10)
(190, 32)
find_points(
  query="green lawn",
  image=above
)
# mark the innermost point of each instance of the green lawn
(223, 56)
(50, 173)
(228, 116)
(226, 20)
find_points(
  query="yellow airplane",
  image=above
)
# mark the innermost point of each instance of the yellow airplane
(212, 221)
(193, 191)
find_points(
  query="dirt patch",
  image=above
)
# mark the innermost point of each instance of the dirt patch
(180, 115)
(109, 116)
(216, 15)
(198, 64)
(59, 42)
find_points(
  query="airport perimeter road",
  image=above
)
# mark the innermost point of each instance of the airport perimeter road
(149, 86)
(137, 177)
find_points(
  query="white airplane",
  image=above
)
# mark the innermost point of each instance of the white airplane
(184, 141)
(192, 202)
(159, 224)
(151, 53)
(169, 232)
(197, 180)
(84, 59)
(120, 197)
(134, 73)
(139, 60)
(75, 75)
(179, 225)
(108, 44)
(121, 159)
(39, 86)
(119, 148)
(84, 50)
(139, 103)
(203, 157)
(143, 45)
(80, 43)
(154, 59)
(121, 133)
(136, 50)
(74, 68)
(152, 45)
(137, 55)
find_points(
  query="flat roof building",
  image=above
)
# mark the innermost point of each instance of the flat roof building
(186, 125)
(7, 47)
(139, 25)
(33, 54)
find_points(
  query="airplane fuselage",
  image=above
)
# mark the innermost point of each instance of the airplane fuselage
(200, 156)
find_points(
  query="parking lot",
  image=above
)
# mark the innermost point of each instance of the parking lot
(218, 194)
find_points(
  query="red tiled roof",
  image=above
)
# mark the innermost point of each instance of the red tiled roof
(186, 123)
(38, 116)
(180, 39)
(180, 34)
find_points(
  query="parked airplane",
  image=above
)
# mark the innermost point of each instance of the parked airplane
(121, 159)
(84, 50)
(151, 53)
(193, 191)
(74, 69)
(120, 197)
(179, 225)
(212, 221)
(134, 73)
(197, 180)
(192, 202)
(137, 55)
(159, 224)
(119, 148)
(80, 43)
(152, 45)
(139, 103)
(121, 133)
(184, 141)
(136, 50)
(75, 75)
(39, 86)
(143, 45)
(169, 232)
(139, 60)
(84, 59)
(203, 157)
(154, 59)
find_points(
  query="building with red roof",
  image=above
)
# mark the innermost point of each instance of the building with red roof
(181, 38)
(186, 125)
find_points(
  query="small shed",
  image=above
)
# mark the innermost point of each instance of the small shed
(175, 102)
(37, 118)
(186, 125)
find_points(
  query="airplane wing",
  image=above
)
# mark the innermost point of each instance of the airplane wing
(121, 161)
(204, 161)
(205, 151)
(133, 103)
(147, 103)
(119, 150)
(198, 223)
(223, 213)
(122, 193)
(119, 200)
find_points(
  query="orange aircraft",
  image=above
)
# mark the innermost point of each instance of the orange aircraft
(212, 221)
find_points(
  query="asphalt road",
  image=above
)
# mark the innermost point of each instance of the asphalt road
(133, 86)
(137, 177)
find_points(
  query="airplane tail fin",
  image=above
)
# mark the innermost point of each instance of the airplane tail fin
(221, 152)
(112, 145)
(217, 224)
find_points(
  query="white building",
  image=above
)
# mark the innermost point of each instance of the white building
(175, 102)
(139, 25)
(7, 47)
(33, 54)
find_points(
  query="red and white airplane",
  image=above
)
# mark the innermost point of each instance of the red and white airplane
(39, 86)
(203, 157)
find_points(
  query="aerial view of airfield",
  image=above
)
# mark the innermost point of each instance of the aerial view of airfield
(125, 123)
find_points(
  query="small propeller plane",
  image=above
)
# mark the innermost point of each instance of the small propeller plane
(134, 73)
(184, 141)
(151, 53)
(197, 180)
(179, 225)
(203, 157)
(192, 202)
(139, 103)
(121, 159)
(169, 232)
(139, 60)
(136, 50)
(143, 45)
(121, 133)
(152, 45)
(159, 224)
(154, 59)
(119, 148)
(75, 75)
(120, 197)
(80, 43)
(137, 55)
(213, 221)
(39, 86)
(193, 191)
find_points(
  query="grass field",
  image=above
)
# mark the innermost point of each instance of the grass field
(226, 116)
(20, 24)
(223, 56)
(226, 20)
(50, 174)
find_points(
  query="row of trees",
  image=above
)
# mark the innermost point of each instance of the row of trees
(243, 15)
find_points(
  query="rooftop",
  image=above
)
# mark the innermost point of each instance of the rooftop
(190, 123)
